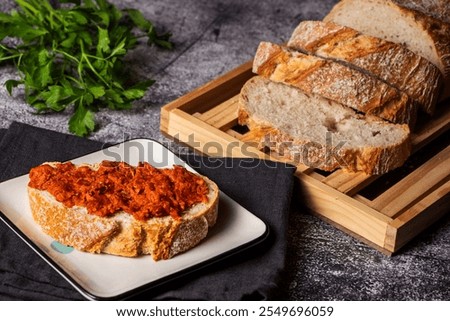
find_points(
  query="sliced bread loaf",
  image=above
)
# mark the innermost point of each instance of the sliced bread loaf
(334, 81)
(320, 133)
(391, 62)
(385, 19)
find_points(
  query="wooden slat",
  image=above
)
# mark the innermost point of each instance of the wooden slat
(362, 199)
(348, 183)
(223, 116)
(344, 210)
(415, 186)
(434, 127)
(234, 134)
(209, 95)
(418, 217)
(207, 139)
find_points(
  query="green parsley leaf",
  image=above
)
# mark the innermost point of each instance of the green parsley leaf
(12, 83)
(103, 42)
(82, 121)
(139, 19)
(97, 91)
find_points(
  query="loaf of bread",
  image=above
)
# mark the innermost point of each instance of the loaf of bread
(334, 81)
(386, 19)
(309, 129)
(119, 233)
(391, 62)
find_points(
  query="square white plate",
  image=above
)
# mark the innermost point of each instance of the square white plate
(101, 276)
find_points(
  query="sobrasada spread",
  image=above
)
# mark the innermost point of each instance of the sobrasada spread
(143, 191)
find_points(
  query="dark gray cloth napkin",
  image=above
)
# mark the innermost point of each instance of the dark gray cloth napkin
(263, 187)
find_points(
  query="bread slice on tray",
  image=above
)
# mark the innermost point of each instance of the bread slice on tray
(389, 61)
(385, 19)
(334, 81)
(439, 9)
(309, 129)
(120, 233)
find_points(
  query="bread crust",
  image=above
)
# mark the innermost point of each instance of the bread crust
(121, 234)
(434, 30)
(438, 9)
(334, 81)
(388, 61)
(369, 159)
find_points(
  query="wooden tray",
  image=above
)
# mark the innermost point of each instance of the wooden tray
(385, 211)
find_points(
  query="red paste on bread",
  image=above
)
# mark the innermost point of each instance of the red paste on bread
(143, 191)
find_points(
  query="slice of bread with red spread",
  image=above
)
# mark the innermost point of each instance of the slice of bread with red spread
(118, 209)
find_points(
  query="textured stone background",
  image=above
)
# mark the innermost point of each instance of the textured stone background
(212, 37)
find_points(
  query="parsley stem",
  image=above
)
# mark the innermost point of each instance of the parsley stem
(85, 57)
(10, 57)
(78, 62)
(75, 81)
(27, 6)
(67, 55)
(14, 54)
(95, 57)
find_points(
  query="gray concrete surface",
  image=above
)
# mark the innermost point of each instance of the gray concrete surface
(211, 38)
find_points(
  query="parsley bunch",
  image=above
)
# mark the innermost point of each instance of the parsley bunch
(71, 55)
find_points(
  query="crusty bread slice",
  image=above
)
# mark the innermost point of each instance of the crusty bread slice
(438, 9)
(334, 81)
(389, 61)
(385, 19)
(319, 133)
(122, 234)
